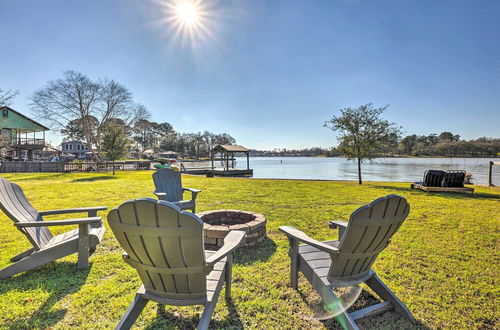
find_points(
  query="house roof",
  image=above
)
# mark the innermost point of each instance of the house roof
(230, 148)
(73, 141)
(37, 124)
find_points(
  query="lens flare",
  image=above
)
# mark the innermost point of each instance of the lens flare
(333, 302)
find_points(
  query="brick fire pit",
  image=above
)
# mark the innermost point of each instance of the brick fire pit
(219, 222)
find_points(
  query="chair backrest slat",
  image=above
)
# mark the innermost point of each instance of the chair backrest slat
(17, 207)
(152, 253)
(168, 181)
(368, 232)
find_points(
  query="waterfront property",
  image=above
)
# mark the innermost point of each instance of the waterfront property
(18, 135)
(439, 263)
(77, 149)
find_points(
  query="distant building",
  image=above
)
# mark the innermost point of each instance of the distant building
(18, 135)
(168, 154)
(76, 148)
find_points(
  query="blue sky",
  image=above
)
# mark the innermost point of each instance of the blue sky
(271, 71)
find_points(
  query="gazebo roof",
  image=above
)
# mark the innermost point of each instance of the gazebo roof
(230, 148)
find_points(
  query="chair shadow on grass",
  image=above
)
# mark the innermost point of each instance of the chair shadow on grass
(258, 253)
(58, 279)
(166, 319)
(386, 320)
(454, 195)
(95, 178)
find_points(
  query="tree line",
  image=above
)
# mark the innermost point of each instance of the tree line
(103, 114)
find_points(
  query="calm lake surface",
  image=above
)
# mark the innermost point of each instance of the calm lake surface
(380, 169)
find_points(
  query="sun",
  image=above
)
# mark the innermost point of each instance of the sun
(188, 23)
(187, 12)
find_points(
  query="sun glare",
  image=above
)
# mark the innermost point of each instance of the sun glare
(189, 23)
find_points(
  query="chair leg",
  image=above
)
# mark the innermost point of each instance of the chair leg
(83, 246)
(22, 255)
(132, 313)
(229, 275)
(293, 252)
(376, 284)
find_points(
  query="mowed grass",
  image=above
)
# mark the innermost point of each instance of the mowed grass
(443, 263)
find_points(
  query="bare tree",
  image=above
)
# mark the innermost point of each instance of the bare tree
(7, 96)
(75, 98)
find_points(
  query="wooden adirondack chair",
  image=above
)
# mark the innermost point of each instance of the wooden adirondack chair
(168, 184)
(165, 245)
(46, 247)
(348, 261)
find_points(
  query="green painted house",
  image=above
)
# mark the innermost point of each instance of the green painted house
(20, 137)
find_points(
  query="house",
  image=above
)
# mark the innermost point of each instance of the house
(76, 148)
(168, 154)
(18, 135)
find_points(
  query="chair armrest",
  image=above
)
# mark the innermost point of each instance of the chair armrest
(76, 210)
(295, 234)
(194, 192)
(160, 195)
(231, 242)
(65, 222)
(341, 225)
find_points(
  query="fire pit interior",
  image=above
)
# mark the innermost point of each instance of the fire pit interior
(219, 222)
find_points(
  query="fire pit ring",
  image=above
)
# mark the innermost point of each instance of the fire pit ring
(218, 223)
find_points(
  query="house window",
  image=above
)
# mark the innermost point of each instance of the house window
(70, 147)
(77, 147)
(5, 113)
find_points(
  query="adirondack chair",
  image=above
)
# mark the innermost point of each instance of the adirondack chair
(168, 184)
(46, 247)
(165, 245)
(348, 261)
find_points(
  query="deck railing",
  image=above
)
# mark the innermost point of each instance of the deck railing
(27, 141)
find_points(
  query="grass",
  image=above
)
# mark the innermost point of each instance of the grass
(443, 262)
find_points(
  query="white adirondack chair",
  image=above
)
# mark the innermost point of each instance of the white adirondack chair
(348, 261)
(165, 245)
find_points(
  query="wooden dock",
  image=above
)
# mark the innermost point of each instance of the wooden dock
(441, 189)
(217, 171)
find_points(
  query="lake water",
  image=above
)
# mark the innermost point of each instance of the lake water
(380, 169)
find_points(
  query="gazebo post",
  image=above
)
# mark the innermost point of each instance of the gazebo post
(248, 160)
(212, 159)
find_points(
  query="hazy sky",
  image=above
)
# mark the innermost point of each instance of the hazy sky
(270, 72)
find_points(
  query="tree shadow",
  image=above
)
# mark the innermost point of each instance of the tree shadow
(95, 178)
(261, 252)
(386, 320)
(38, 177)
(58, 279)
(166, 319)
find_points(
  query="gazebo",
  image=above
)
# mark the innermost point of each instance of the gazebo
(228, 151)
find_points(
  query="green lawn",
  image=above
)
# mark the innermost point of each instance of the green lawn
(443, 263)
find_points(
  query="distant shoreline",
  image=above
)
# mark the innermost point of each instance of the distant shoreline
(323, 156)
